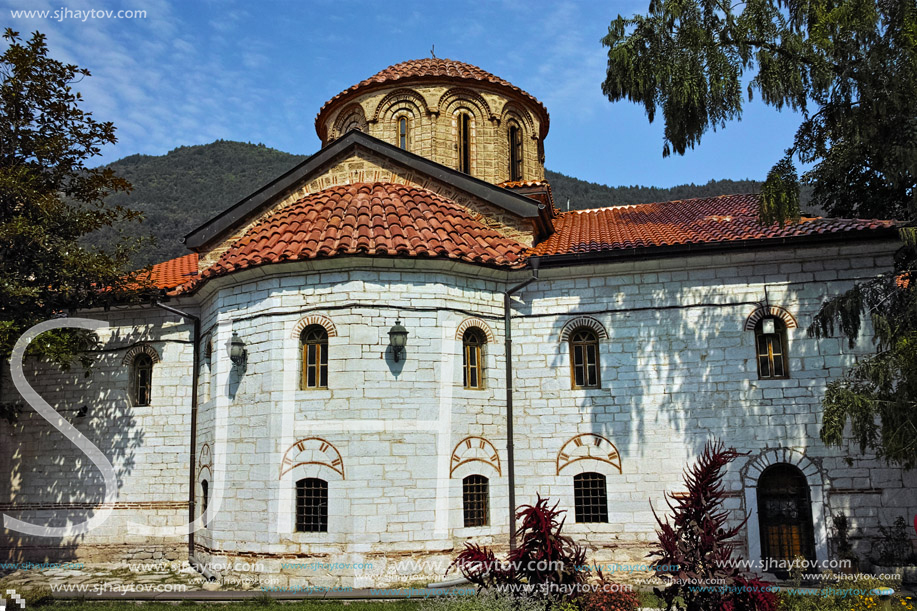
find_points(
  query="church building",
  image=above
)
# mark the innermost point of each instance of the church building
(370, 359)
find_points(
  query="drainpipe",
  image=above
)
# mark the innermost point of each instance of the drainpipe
(510, 460)
(196, 352)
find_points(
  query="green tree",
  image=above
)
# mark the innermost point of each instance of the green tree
(49, 202)
(849, 67)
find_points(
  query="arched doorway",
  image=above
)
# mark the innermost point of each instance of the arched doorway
(785, 514)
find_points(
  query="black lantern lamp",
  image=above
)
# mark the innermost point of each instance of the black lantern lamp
(397, 338)
(237, 353)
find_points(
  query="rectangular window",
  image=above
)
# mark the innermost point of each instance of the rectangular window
(771, 356)
(590, 497)
(475, 501)
(311, 505)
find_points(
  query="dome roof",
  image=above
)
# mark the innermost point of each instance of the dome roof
(369, 219)
(429, 69)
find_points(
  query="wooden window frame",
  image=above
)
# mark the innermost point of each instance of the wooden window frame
(516, 151)
(771, 351)
(475, 501)
(311, 511)
(314, 358)
(581, 348)
(473, 342)
(463, 144)
(142, 388)
(588, 489)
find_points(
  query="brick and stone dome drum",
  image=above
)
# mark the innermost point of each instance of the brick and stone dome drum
(450, 112)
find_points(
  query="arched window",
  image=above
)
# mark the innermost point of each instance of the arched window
(311, 505)
(142, 379)
(314, 339)
(205, 496)
(584, 358)
(770, 342)
(463, 124)
(785, 514)
(590, 498)
(515, 152)
(475, 501)
(403, 132)
(473, 342)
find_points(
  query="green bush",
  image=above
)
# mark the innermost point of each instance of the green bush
(487, 599)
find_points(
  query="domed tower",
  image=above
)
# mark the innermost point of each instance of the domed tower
(450, 112)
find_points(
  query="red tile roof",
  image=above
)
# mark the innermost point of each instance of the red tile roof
(175, 272)
(727, 218)
(369, 219)
(385, 219)
(432, 69)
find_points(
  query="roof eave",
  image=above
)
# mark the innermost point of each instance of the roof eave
(654, 252)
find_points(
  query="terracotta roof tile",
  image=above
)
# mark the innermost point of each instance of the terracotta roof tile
(174, 272)
(369, 219)
(726, 218)
(431, 68)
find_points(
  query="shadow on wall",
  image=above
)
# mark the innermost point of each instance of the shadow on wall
(51, 482)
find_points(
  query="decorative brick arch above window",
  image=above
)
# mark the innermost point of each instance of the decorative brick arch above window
(511, 110)
(205, 460)
(579, 323)
(312, 451)
(322, 321)
(471, 449)
(401, 96)
(476, 323)
(467, 98)
(141, 349)
(590, 448)
(351, 117)
(752, 321)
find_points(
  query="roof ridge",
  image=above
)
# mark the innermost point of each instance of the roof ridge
(663, 203)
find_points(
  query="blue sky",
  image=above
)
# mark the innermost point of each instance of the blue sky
(196, 71)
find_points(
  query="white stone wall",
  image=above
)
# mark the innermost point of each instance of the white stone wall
(394, 440)
(51, 482)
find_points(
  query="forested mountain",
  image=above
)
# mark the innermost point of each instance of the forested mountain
(185, 187)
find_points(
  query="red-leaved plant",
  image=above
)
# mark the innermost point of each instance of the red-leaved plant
(695, 556)
(543, 555)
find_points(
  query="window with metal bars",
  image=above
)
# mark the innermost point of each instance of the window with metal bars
(464, 142)
(515, 152)
(403, 132)
(475, 501)
(142, 379)
(311, 505)
(584, 359)
(314, 340)
(771, 349)
(473, 341)
(590, 497)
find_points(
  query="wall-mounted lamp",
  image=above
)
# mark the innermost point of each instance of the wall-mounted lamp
(81, 413)
(237, 353)
(397, 339)
(768, 326)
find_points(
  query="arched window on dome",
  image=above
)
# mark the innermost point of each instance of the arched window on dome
(314, 340)
(463, 144)
(515, 151)
(403, 132)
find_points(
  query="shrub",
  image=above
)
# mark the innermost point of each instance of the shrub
(486, 600)
(543, 557)
(893, 547)
(694, 555)
(599, 600)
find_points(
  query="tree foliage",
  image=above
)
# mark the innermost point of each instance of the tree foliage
(50, 200)
(850, 68)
